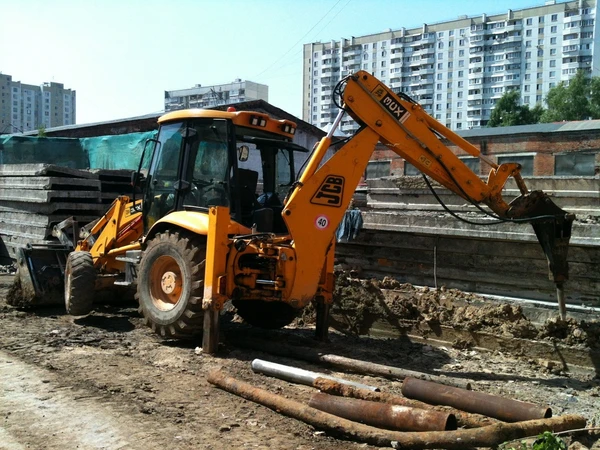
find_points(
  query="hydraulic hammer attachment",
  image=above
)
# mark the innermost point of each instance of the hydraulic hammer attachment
(552, 226)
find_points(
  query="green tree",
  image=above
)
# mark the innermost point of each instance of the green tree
(508, 112)
(579, 100)
(41, 131)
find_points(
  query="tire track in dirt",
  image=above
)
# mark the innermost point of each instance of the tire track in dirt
(37, 414)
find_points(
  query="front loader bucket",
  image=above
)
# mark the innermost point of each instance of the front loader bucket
(40, 275)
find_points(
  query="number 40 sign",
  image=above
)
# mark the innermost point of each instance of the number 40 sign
(322, 222)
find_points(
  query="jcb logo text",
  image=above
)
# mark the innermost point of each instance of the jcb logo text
(330, 192)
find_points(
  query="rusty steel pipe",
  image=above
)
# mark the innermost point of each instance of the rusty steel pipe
(341, 362)
(381, 415)
(463, 419)
(490, 436)
(300, 376)
(505, 409)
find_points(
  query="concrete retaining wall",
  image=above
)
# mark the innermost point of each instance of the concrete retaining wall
(408, 236)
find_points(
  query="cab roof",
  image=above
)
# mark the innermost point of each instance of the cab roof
(251, 119)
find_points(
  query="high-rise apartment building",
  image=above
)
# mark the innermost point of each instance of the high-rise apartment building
(457, 70)
(222, 94)
(25, 107)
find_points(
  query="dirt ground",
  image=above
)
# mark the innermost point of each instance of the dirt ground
(105, 381)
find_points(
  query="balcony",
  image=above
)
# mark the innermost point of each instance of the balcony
(481, 32)
(428, 60)
(472, 97)
(396, 45)
(425, 71)
(574, 29)
(423, 91)
(513, 82)
(476, 41)
(430, 38)
(396, 65)
(512, 38)
(352, 50)
(475, 75)
(573, 65)
(513, 56)
(474, 114)
(570, 48)
(514, 27)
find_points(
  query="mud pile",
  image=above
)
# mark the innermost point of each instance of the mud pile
(362, 302)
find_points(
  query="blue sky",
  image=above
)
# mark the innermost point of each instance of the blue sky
(120, 56)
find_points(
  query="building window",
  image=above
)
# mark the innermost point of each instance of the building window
(554, 17)
(529, 21)
(378, 169)
(553, 29)
(574, 163)
(526, 162)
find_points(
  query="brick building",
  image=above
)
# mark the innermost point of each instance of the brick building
(561, 149)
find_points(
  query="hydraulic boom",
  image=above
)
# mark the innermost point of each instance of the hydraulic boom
(323, 193)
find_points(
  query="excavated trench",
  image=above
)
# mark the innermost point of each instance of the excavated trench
(453, 318)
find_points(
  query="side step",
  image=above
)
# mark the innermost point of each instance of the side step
(131, 259)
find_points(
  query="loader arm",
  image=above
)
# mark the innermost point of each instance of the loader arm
(321, 196)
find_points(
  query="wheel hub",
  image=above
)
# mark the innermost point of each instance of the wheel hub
(168, 282)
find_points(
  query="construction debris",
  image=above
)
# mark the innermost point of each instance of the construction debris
(489, 436)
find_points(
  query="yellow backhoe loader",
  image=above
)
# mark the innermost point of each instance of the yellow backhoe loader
(224, 216)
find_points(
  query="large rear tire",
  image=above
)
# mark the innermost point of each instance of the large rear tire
(80, 278)
(170, 284)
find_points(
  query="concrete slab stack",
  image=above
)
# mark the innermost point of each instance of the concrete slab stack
(113, 183)
(35, 197)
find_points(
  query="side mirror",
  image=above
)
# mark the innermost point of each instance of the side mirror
(243, 152)
(138, 180)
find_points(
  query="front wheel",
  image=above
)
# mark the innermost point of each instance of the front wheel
(80, 278)
(171, 284)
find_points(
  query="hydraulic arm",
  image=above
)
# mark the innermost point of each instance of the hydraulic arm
(323, 193)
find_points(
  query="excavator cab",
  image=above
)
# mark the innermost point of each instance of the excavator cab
(200, 161)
